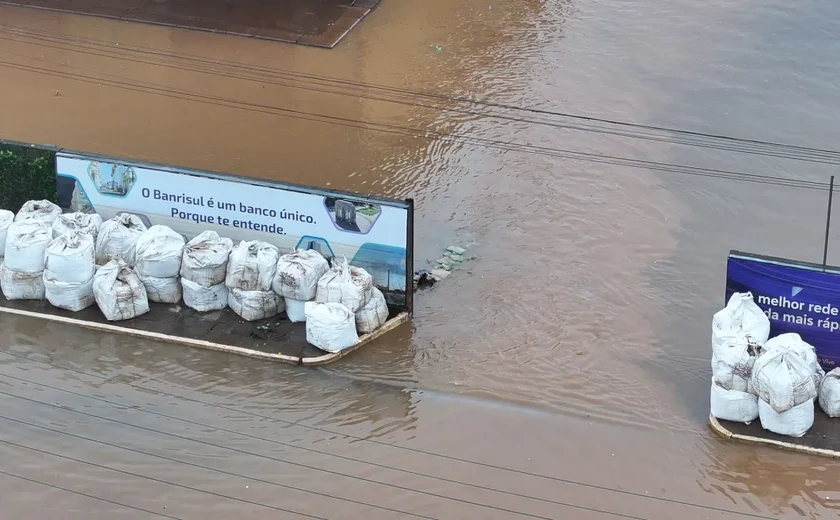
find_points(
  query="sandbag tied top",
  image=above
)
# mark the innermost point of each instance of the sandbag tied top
(206, 258)
(118, 291)
(42, 210)
(350, 286)
(783, 380)
(70, 258)
(298, 273)
(26, 246)
(87, 223)
(252, 266)
(6, 219)
(740, 316)
(118, 239)
(159, 251)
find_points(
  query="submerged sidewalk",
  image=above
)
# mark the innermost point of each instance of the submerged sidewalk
(822, 439)
(320, 23)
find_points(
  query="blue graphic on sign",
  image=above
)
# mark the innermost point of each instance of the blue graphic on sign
(797, 297)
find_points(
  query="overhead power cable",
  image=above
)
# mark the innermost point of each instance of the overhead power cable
(150, 88)
(513, 471)
(407, 96)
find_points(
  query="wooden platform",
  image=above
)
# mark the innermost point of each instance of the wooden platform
(822, 439)
(320, 23)
(275, 339)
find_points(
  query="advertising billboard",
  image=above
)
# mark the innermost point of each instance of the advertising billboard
(797, 297)
(371, 233)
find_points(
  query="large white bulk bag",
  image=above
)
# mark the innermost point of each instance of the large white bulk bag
(118, 238)
(21, 286)
(6, 219)
(42, 210)
(330, 326)
(732, 405)
(830, 393)
(70, 258)
(298, 274)
(78, 222)
(794, 422)
(162, 290)
(740, 316)
(251, 266)
(26, 246)
(792, 342)
(374, 314)
(295, 310)
(783, 380)
(255, 305)
(159, 252)
(350, 286)
(119, 292)
(72, 296)
(204, 299)
(733, 358)
(205, 259)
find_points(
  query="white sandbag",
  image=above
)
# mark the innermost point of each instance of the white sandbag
(159, 252)
(118, 238)
(374, 314)
(72, 296)
(783, 380)
(42, 210)
(255, 305)
(298, 274)
(794, 423)
(70, 258)
(119, 292)
(21, 286)
(6, 219)
(251, 266)
(740, 316)
(205, 259)
(732, 405)
(78, 222)
(26, 246)
(162, 290)
(345, 284)
(295, 310)
(330, 326)
(830, 393)
(204, 299)
(794, 343)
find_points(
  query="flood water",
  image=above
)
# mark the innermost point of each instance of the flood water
(563, 373)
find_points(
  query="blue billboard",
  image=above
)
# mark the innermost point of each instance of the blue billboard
(796, 296)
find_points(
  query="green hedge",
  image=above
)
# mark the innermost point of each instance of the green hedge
(26, 173)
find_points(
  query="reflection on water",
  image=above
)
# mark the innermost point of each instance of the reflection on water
(593, 283)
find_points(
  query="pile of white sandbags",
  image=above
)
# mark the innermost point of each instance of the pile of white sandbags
(738, 333)
(6, 219)
(70, 267)
(158, 263)
(203, 272)
(786, 389)
(345, 301)
(42, 210)
(250, 273)
(830, 393)
(118, 291)
(21, 274)
(86, 223)
(296, 280)
(118, 239)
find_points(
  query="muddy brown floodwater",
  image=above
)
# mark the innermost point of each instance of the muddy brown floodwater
(564, 373)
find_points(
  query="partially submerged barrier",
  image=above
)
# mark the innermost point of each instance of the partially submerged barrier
(374, 232)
